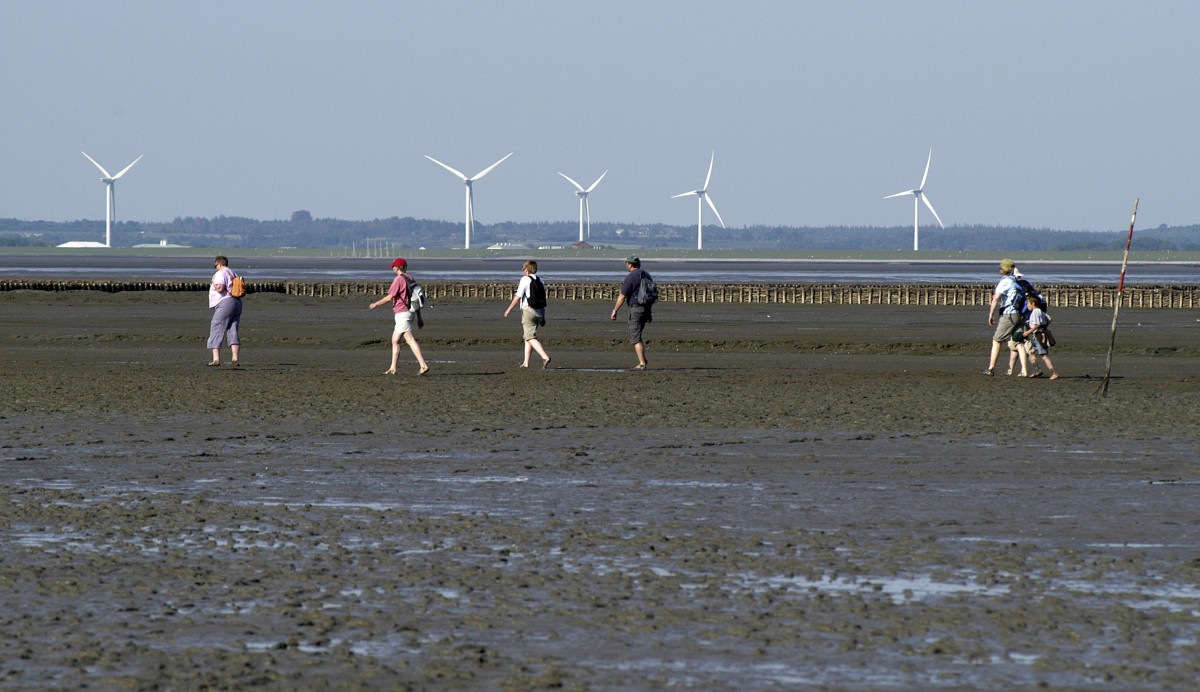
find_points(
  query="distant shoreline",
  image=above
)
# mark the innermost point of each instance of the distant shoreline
(668, 267)
(42, 254)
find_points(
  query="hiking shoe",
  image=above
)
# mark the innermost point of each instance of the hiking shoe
(988, 372)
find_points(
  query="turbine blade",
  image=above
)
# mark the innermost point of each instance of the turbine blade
(924, 177)
(106, 175)
(708, 177)
(593, 187)
(714, 208)
(126, 169)
(902, 194)
(927, 203)
(686, 194)
(460, 175)
(572, 181)
(485, 171)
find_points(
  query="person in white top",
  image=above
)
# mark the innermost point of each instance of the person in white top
(531, 296)
(1035, 334)
(227, 312)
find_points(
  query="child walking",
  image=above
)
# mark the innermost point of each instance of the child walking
(1035, 334)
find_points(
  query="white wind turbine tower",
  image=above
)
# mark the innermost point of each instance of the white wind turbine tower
(702, 197)
(918, 197)
(584, 209)
(110, 206)
(470, 222)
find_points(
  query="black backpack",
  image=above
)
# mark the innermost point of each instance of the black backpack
(537, 293)
(1024, 290)
(647, 293)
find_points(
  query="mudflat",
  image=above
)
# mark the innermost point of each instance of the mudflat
(790, 496)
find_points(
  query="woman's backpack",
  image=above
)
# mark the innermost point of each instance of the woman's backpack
(237, 287)
(417, 298)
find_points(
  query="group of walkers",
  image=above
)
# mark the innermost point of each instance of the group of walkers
(1023, 324)
(530, 297)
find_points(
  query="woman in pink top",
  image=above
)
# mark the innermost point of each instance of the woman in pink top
(227, 312)
(397, 293)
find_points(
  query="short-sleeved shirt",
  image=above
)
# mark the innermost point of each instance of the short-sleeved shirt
(629, 287)
(399, 292)
(1038, 318)
(1009, 288)
(523, 289)
(222, 277)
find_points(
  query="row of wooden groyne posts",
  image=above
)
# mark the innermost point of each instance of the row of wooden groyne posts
(801, 294)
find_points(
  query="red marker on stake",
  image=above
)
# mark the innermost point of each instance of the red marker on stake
(1117, 304)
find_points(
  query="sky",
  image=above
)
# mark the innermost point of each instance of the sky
(1044, 114)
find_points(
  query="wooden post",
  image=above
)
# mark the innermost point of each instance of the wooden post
(1120, 290)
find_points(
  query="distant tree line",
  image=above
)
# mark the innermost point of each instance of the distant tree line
(304, 231)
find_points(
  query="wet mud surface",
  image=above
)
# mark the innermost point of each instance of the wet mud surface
(817, 496)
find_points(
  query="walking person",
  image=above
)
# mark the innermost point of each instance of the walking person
(398, 294)
(531, 296)
(1027, 289)
(1035, 333)
(639, 308)
(1008, 325)
(227, 313)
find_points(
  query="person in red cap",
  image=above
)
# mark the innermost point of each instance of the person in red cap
(397, 293)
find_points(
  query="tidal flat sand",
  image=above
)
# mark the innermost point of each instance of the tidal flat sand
(791, 496)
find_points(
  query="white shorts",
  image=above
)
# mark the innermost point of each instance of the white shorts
(404, 322)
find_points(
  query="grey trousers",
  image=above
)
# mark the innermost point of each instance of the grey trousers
(225, 319)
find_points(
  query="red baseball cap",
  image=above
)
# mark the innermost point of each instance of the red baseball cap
(399, 262)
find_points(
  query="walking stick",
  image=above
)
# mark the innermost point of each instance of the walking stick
(1117, 305)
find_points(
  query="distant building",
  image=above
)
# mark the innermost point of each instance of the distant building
(508, 246)
(161, 243)
(82, 243)
(581, 245)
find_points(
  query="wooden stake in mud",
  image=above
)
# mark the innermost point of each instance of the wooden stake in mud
(1117, 304)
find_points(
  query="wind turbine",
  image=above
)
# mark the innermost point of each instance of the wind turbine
(584, 209)
(918, 197)
(110, 206)
(470, 222)
(702, 197)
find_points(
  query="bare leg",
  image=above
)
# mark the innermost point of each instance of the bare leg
(395, 354)
(537, 346)
(216, 353)
(1050, 366)
(528, 349)
(1012, 360)
(640, 350)
(416, 350)
(995, 356)
(1023, 352)
(237, 349)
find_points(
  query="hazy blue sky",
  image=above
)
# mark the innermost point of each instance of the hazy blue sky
(1040, 113)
